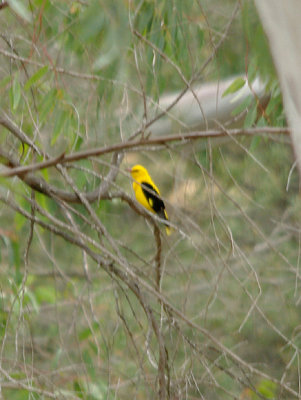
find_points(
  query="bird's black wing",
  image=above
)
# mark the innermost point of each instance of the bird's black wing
(153, 199)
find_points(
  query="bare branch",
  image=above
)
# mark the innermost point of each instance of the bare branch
(132, 145)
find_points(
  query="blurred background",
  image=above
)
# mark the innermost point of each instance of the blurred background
(96, 301)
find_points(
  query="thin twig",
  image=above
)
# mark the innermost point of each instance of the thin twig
(158, 256)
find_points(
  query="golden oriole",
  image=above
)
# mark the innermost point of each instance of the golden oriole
(147, 193)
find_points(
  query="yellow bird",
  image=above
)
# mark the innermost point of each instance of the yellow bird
(147, 193)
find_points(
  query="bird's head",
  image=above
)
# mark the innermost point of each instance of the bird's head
(138, 172)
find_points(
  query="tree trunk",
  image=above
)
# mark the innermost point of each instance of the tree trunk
(281, 22)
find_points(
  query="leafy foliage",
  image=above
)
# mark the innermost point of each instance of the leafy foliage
(95, 301)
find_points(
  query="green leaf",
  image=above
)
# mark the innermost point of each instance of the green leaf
(15, 254)
(204, 157)
(267, 389)
(262, 122)
(45, 294)
(20, 9)
(78, 389)
(201, 37)
(59, 124)
(87, 332)
(252, 71)
(17, 394)
(89, 365)
(254, 143)
(36, 77)
(242, 106)
(45, 174)
(19, 221)
(78, 142)
(16, 92)
(246, 22)
(48, 104)
(250, 117)
(84, 334)
(92, 22)
(237, 84)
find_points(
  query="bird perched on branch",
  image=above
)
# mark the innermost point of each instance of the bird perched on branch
(147, 193)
